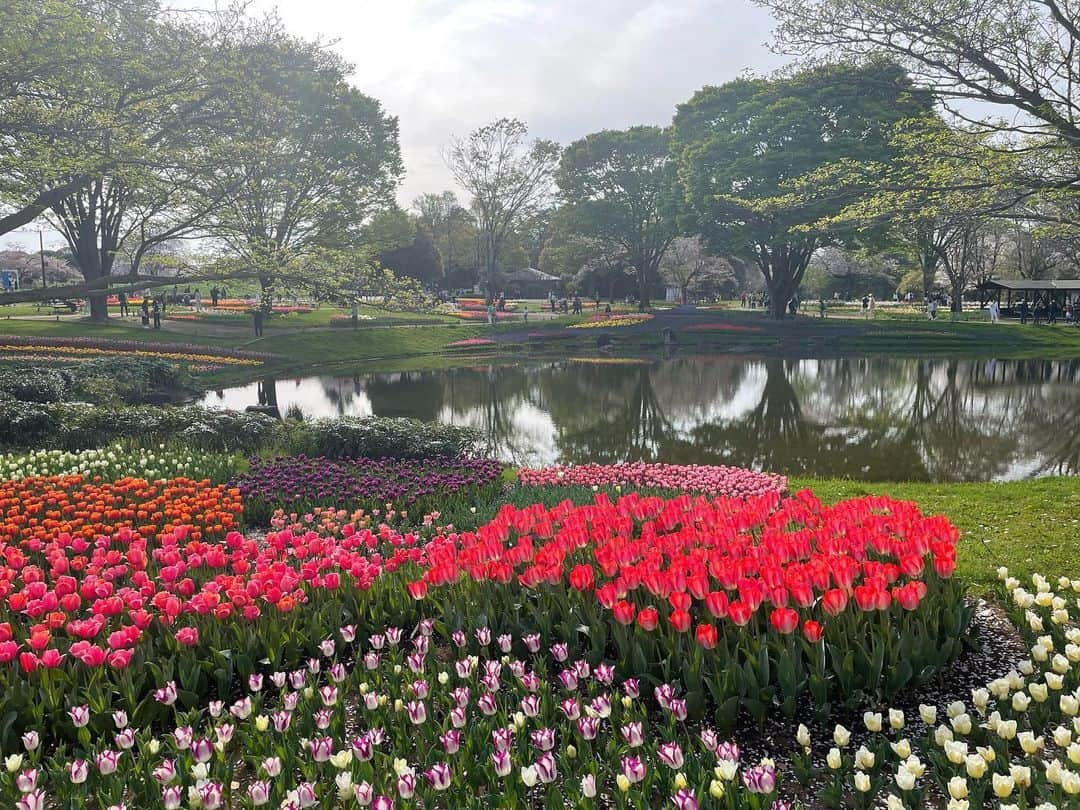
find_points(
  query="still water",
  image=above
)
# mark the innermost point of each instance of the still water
(864, 418)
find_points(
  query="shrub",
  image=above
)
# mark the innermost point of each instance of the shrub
(132, 379)
(32, 384)
(386, 437)
(78, 426)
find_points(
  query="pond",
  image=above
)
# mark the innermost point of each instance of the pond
(873, 419)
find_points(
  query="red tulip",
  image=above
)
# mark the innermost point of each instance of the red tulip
(706, 636)
(624, 612)
(740, 613)
(784, 620)
(188, 636)
(417, 589)
(812, 631)
(582, 577)
(680, 620)
(717, 604)
(647, 619)
(833, 601)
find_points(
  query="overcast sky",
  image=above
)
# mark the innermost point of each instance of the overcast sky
(565, 67)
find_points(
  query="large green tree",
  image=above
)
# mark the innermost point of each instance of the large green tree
(115, 143)
(313, 159)
(742, 148)
(619, 188)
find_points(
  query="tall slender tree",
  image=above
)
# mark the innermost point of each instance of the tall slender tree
(509, 181)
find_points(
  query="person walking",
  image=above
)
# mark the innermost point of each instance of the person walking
(1023, 311)
(995, 313)
(144, 311)
(123, 305)
(865, 306)
(355, 313)
(491, 313)
(197, 300)
(821, 306)
(873, 308)
(525, 312)
(213, 297)
(931, 310)
(257, 316)
(156, 312)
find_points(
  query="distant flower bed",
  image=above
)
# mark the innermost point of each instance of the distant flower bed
(469, 342)
(721, 327)
(711, 480)
(80, 348)
(479, 315)
(301, 483)
(479, 304)
(609, 321)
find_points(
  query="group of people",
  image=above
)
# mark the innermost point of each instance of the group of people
(1049, 312)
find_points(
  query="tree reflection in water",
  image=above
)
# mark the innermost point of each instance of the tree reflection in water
(865, 418)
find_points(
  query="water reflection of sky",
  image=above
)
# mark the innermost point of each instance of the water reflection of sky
(879, 418)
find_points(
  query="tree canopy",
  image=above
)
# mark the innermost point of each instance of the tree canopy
(618, 188)
(743, 146)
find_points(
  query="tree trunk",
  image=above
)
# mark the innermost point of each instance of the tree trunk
(929, 270)
(643, 287)
(99, 307)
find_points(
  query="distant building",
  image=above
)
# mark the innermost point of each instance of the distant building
(531, 283)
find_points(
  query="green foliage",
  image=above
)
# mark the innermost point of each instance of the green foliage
(385, 437)
(35, 384)
(743, 146)
(620, 189)
(77, 426)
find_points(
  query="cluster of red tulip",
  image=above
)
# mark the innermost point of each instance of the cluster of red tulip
(861, 571)
(87, 569)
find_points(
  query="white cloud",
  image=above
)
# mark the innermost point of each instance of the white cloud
(566, 67)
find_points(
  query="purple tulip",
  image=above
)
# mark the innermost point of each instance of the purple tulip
(202, 750)
(684, 799)
(501, 761)
(588, 727)
(164, 773)
(172, 797)
(670, 754)
(633, 735)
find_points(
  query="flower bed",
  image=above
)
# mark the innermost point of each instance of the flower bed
(112, 464)
(106, 587)
(299, 483)
(610, 321)
(21, 347)
(711, 480)
(480, 315)
(843, 602)
(470, 343)
(465, 717)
